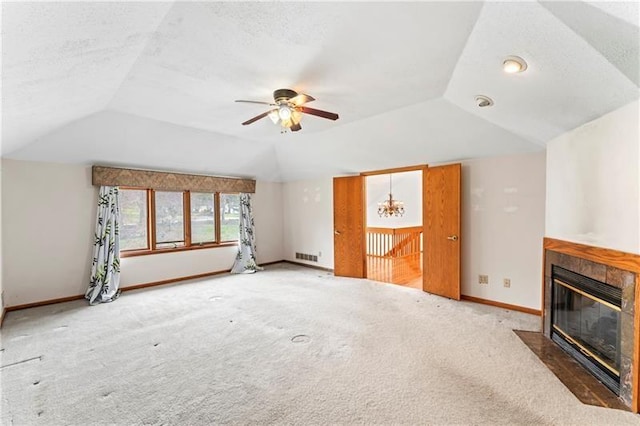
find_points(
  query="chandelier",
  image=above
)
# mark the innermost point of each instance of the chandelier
(390, 207)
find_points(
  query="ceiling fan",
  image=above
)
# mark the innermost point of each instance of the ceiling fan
(288, 109)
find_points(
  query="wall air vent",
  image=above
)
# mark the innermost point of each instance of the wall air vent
(308, 257)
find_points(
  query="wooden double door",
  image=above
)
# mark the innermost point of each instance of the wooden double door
(441, 228)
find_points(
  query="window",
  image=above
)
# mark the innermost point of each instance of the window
(229, 217)
(203, 218)
(160, 221)
(169, 219)
(133, 220)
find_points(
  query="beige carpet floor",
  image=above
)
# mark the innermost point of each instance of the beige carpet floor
(288, 345)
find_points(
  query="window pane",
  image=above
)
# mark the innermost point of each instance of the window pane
(169, 219)
(229, 217)
(133, 219)
(203, 227)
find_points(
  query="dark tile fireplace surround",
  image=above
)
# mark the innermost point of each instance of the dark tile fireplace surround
(616, 269)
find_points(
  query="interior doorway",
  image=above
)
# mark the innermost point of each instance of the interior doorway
(439, 246)
(394, 227)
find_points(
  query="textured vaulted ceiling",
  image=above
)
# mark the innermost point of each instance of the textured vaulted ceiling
(153, 85)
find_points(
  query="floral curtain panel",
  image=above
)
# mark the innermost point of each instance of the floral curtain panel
(246, 259)
(105, 268)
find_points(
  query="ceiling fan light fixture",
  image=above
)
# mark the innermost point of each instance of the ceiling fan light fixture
(274, 116)
(296, 116)
(284, 112)
(288, 109)
(514, 64)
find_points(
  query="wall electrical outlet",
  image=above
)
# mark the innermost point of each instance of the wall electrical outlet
(507, 282)
(483, 279)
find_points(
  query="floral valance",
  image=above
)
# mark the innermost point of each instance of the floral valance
(112, 176)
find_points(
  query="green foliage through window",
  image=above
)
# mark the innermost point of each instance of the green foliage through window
(173, 219)
(203, 218)
(229, 217)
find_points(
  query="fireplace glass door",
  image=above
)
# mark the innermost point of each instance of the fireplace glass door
(588, 327)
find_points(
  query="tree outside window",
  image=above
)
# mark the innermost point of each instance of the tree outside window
(169, 219)
(203, 218)
(133, 220)
(211, 219)
(229, 217)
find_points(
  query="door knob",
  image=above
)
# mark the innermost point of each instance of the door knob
(452, 237)
(336, 232)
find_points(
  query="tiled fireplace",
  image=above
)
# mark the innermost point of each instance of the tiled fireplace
(589, 311)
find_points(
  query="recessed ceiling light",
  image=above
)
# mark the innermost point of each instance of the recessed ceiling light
(514, 64)
(483, 101)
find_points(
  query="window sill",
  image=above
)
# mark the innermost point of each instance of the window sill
(134, 253)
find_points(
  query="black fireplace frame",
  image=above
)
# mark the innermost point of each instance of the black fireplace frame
(598, 290)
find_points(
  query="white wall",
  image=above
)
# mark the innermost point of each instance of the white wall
(2, 302)
(165, 266)
(268, 214)
(503, 225)
(407, 187)
(593, 182)
(308, 220)
(503, 205)
(48, 215)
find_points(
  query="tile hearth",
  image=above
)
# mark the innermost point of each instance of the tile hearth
(582, 384)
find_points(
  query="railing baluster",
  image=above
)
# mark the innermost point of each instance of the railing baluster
(394, 254)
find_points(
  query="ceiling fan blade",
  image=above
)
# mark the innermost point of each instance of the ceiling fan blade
(256, 102)
(256, 118)
(295, 127)
(319, 113)
(301, 99)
